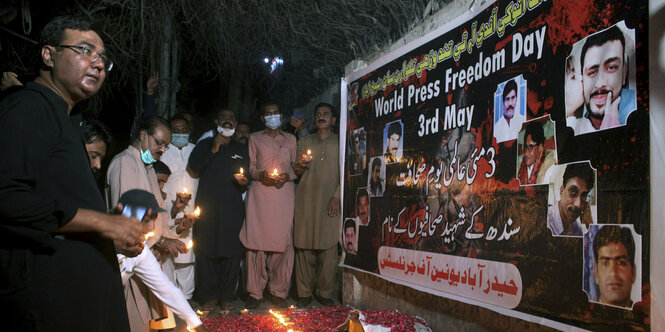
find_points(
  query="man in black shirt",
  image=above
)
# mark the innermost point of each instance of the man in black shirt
(58, 268)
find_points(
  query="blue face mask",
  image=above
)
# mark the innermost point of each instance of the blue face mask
(146, 156)
(273, 121)
(180, 140)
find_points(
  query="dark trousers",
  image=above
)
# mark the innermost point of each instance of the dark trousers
(216, 277)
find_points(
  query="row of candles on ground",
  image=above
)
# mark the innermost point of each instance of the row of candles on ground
(306, 157)
(276, 314)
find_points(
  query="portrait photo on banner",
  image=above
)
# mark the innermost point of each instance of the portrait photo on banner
(536, 152)
(613, 265)
(509, 108)
(356, 151)
(600, 80)
(362, 207)
(572, 199)
(376, 179)
(350, 236)
(393, 141)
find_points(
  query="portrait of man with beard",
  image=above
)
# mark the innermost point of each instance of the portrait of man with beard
(604, 69)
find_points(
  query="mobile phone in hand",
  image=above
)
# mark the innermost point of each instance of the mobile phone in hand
(134, 211)
(297, 113)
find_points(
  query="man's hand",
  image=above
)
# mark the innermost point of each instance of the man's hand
(152, 83)
(132, 251)
(218, 141)
(185, 222)
(283, 178)
(611, 118)
(9, 79)
(174, 247)
(266, 179)
(180, 203)
(333, 207)
(242, 180)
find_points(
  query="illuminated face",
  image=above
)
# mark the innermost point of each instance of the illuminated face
(376, 173)
(532, 151)
(158, 142)
(350, 238)
(74, 76)
(179, 126)
(242, 133)
(363, 209)
(96, 152)
(324, 117)
(226, 119)
(393, 144)
(161, 180)
(573, 199)
(509, 104)
(603, 72)
(614, 274)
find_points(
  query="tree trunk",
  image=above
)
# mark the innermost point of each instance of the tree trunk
(165, 69)
(173, 82)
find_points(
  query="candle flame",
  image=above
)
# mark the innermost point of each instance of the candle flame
(242, 171)
(309, 152)
(190, 244)
(274, 172)
(292, 307)
(197, 212)
(279, 317)
(149, 235)
(184, 190)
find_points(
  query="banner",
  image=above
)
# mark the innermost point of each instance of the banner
(503, 160)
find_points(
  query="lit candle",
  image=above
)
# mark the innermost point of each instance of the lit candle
(197, 212)
(190, 244)
(307, 157)
(274, 172)
(184, 190)
(149, 235)
(244, 311)
(240, 176)
(291, 307)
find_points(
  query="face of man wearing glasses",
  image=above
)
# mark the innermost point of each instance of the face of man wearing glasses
(532, 151)
(156, 142)
(75, 77)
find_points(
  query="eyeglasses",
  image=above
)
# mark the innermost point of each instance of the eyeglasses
(322, 114)
(530, 147)
(161, 144)
(91, 55)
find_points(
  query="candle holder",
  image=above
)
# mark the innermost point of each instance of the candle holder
(275, 175)
(240, 175)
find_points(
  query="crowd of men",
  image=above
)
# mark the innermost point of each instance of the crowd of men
(70, 264)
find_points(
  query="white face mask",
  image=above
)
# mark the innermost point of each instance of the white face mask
(273, 121)
(226, 132)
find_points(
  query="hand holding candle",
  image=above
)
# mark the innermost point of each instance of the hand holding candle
(181, 201)
(306, 157)
(187, 221)
(240, 177)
